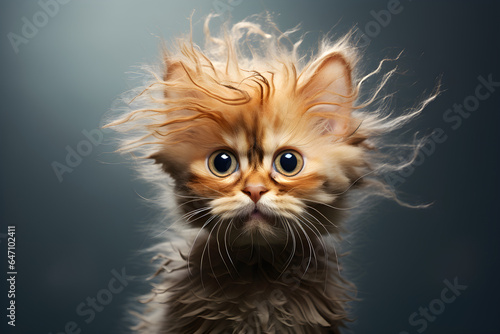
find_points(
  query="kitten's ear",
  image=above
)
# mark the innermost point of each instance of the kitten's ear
(180, 80)
(327, 85)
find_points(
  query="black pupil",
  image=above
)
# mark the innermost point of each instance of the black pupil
(288, 162)
(222, 162)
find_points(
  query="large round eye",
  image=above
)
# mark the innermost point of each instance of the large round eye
(289, 163)
(222, 163)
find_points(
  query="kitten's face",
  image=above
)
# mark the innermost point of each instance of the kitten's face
(265, 172)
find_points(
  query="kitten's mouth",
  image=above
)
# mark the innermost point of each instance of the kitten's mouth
(256, 215)
(257, 227)
(258, 219)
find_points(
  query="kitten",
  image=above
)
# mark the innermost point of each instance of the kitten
(260, 150)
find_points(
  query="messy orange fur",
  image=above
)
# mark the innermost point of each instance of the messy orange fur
(252, 95)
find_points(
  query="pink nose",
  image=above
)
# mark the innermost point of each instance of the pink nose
(255, 192)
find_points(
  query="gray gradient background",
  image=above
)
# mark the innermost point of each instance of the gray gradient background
(70, 235)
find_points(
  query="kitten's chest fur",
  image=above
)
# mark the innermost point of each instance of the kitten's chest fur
(206, 287)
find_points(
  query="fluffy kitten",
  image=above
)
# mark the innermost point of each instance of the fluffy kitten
(259, 149)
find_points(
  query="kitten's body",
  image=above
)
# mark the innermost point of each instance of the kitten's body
(254, 292)
(263, 151)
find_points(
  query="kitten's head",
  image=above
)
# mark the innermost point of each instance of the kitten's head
(264, 148)
(262, 152)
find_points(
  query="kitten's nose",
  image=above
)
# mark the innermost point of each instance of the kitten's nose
(255, 192)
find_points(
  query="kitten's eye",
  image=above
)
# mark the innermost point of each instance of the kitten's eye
(222, 163)
(289, 163)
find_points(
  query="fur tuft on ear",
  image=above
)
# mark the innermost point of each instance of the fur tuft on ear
(181, 81)
(327, 85)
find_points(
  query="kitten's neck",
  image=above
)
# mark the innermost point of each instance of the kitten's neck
(302, 258)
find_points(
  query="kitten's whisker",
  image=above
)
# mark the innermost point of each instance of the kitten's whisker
(291, 255)
(354, 182)
(195, 212)
(301, 244)
(321, 240)
(192, 213)
(228, 228)
(187, 202)
(317, 233)
(235, 239)
(325, 204)
(291, 189)
(193, 199)
(287, 235)
(322, 243)
(334, 248)
(324, 247)
(270, 248)
(322, 215)
(309, 241)
(319, 222)
(220, 250)
(207, 242)
(213, 189)
(251, 244)
(293, 225)
(144, 198)
(169, 227)
(185, 216)
(294, 242)
(219, 224)
(202, 229)
(193, 196)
